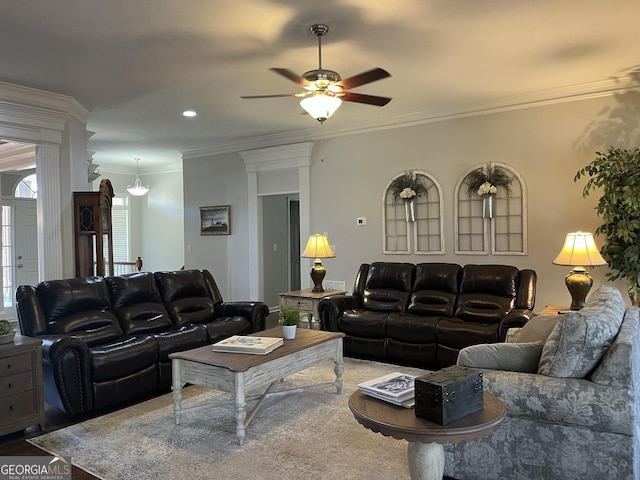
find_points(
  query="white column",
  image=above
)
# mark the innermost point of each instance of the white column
(50, 221)
(255, 272)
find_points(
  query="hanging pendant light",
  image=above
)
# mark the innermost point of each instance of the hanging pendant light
(137, 189)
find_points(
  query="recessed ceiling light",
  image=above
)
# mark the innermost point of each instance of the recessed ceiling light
(189, 113)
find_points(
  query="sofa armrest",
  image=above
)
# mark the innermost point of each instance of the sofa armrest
(563, 401)
(330, 309)
(69, 360)
(513, 319)
(255, 312)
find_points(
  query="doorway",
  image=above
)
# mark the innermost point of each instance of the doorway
(280, 245)
(19, 248)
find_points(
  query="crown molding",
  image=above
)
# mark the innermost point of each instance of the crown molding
(41, 102)
(152, 170)
(552, 96)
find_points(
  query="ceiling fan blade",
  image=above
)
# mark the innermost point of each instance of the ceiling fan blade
(289, 75)
(269, 96)
(363, 78)
(368, 99)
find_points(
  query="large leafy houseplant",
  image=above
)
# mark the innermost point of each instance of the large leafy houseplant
(617, 173)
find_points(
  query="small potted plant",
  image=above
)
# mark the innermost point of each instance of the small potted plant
(7, 332)
(289, 319)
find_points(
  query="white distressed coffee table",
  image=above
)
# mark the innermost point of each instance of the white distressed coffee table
(250, 377)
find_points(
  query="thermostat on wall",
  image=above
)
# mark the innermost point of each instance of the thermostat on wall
(360, 221)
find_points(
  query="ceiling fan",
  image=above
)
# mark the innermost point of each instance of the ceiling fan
(324, 90)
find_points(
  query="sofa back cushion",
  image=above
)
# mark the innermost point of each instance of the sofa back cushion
(138, 304)
(186, 296)
(487, 293)
(580, 339)
(388, 286)
(435, 289)
(79, 306)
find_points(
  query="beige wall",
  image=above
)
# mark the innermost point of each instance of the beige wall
(546, 144)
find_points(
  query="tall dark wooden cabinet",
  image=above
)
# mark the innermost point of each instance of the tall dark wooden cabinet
(93, 235)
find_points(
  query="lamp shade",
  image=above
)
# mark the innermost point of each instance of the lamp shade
(318, 247)
(320, 105)
(579, 249)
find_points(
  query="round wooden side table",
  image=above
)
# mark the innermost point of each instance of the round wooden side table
(425, 453)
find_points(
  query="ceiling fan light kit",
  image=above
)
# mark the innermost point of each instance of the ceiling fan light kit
(324, 90)
(320, 106)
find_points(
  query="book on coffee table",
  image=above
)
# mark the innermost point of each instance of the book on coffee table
(244, 344)
(397, 388)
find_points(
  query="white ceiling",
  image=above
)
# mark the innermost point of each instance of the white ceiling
(137, 64)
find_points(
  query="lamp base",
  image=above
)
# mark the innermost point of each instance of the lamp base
(578, 283)
(317, 275)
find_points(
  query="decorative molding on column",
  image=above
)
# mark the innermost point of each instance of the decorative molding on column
(50, 252)
(288, 157)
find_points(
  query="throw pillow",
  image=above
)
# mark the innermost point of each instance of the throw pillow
(514, 357)
(537, 329)
(580, 339)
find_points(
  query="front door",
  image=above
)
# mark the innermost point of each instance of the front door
(26, 242)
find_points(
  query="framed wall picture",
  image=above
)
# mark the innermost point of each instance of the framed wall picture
(215, 220)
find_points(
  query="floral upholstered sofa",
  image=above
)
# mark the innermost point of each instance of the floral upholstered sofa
(571, 387)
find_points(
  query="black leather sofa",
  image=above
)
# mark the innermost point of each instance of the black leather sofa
(422, 315)
(107, 340)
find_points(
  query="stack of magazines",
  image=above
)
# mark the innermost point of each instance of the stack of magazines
(396, 388)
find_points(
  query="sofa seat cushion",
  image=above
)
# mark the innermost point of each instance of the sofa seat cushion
(580, 339)
(514, 357)
(184, 338)
(456, 333)
(123, 358)
(363, 323)
(411, 328)
(562, 401)
(224, 327)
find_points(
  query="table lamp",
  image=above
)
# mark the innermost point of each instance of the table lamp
(318, 248)
(579, 250)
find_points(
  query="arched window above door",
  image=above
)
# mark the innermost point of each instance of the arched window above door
(27, 187)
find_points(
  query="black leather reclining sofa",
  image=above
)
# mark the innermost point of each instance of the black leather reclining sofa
(107, 340)
(422, 315)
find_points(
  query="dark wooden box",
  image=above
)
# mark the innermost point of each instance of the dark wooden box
(449, 394)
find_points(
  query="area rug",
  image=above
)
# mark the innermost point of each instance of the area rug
(309, 435)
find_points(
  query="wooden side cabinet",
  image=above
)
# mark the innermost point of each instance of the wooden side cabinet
(307, 302)
(21, 385)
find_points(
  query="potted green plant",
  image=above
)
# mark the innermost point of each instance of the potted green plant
(616, 173)
(7, 332)
(290, 320)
